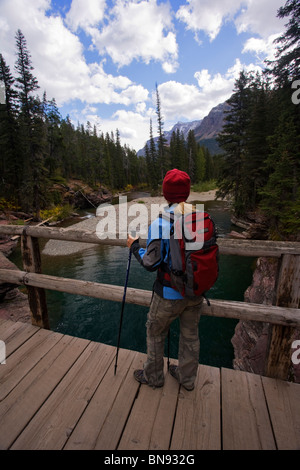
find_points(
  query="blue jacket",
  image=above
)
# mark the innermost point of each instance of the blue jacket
(157, 253)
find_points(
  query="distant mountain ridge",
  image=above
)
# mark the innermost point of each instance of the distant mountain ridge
(205, 130)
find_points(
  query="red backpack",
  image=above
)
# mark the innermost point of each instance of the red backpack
(194, 253)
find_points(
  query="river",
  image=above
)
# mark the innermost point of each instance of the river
(98, 320)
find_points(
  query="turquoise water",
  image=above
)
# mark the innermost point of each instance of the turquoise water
(98, 320)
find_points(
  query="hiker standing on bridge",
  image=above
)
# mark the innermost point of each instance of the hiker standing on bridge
(167, 303)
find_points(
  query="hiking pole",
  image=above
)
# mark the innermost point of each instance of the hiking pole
(122, 309)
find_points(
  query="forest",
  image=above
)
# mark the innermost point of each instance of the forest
(40, 148)
(261, 137)
(258, 169)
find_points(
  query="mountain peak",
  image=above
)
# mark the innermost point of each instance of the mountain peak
(206, 128)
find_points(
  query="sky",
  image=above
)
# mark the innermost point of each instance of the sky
(102, 59)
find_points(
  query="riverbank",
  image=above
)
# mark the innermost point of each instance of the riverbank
(59, 248)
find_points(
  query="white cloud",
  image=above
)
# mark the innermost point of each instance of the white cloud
(253, 16)
(133, 126)
(207, 15)
(132, 30)
(58, 58)
(180, 100)
(56, 53)
(138, 30)
(260, 17)
(184, 101)
(262, 48)
(85, 13)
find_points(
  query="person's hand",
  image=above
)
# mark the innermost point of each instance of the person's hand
(130, 240)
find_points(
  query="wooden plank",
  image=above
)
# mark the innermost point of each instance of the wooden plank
(245, 419)
(4, 324)
(164, 419)
(112, 429)
(198, 418)
(14, 334)
(17, 409)
(218, 308)
(54, 422)
(283, 399)
(86, 434)
(142, 421)
(24, 359)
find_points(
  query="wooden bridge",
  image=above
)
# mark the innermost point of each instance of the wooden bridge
(60, 392)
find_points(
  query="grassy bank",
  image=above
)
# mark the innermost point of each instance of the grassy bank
(204, 186)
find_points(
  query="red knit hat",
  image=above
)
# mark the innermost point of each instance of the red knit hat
(176, 186)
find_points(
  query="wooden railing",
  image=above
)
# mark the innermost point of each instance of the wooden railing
(283, 316)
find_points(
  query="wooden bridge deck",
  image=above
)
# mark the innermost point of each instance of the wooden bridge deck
(60, 392)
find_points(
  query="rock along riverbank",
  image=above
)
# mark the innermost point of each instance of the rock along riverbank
(63, 248)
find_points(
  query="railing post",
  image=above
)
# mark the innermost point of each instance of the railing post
(278, 362)
(36, 295)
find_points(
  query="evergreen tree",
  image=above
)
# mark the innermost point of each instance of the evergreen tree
(10, 167)
(109, 161)
(258, 129)
(178, 151)
(162, 164)
(200, 165)
(25, 81)
(209, 169)
(31, 124)
(287, 66)
(68, 145)
(53, 160)
(191, 155)
(153, 164)
(281, 193)
(232, 140)
(119, 174)
(53, 149)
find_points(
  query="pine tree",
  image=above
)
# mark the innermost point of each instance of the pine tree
(232, 140)
(153, 164)
(67, 147)
(161, 139)
(32, 129)
(287, 66)
(200, 165)
(119, 163)
(178, 151)
(191, 154)
(281, 193)
(10, 168)
(258, 129)
(52, 117)
(25, 81)
(209, 167)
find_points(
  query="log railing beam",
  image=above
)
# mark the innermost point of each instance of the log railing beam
(217, 308)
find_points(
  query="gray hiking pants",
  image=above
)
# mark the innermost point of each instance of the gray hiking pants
(160, 316)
